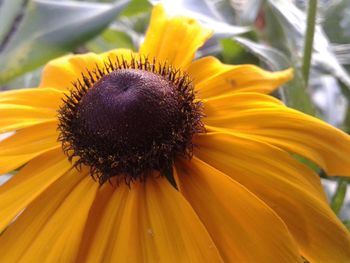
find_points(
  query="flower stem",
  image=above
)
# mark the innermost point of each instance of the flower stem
(309, 39)
(339, 195)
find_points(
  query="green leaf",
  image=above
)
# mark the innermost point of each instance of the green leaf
(308, 163)
(126, 32)
(339, 196)
(346, 92)
(50, 29)
(233, 53)
(10, 14)
(169, 175)
(347, 224)
(336, 21)
(28, 80)
(110, 39)
(272, 57)
(136, 7)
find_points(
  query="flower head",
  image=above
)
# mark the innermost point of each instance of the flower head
(130, 117)
(204, 152)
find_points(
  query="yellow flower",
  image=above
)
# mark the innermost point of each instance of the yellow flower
(237, 195)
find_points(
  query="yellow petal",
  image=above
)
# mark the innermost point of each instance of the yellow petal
(265, 171)
(27, 107)
(286, 128)
(217, 107)
(149, 222)
(59, 238)
(26, 144)
(298, 173)
(29, 183)
(126, 54)
(212, 78)
(173, 39)
(104, 196)
(243, 227)
(15, 240)
(45, 98)
(13, 116)
(60, 73)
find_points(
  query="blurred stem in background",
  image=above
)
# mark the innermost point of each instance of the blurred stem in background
(339, 196)
(309, 39)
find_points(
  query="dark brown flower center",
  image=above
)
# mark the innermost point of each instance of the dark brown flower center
(128, 107)
(128, 119)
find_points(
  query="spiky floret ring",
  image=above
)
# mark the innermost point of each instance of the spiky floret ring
(128, 118)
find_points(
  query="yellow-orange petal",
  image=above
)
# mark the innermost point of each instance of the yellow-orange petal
(216, 108)
(261, 168)
(29, 183)
(45, 98)
(27, 107)
(236, 219)
(298, 173)
(261, 118)
(16, 239)
(104, 196)
(60, 73)
(60, 238)
(173, 39)
(14, 116)
(26, 144)
(212, 78)
(149, 222)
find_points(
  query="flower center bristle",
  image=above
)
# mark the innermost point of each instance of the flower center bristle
(130, 118)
